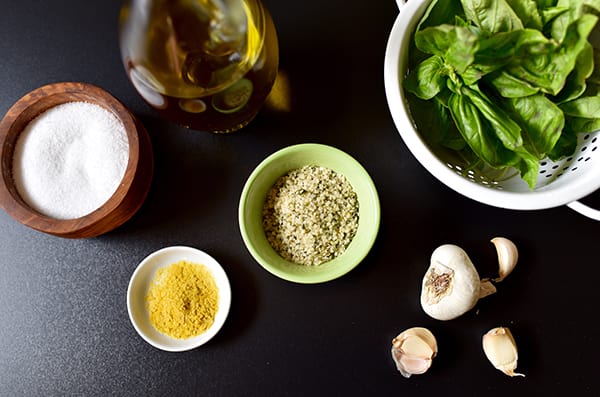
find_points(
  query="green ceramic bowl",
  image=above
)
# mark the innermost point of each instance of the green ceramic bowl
(262, 179)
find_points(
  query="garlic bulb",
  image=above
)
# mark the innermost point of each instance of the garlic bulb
(451, 285)
(500, 348)
(413, 351)
(507, 256)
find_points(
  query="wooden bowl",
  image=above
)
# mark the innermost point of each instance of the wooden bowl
(132, 190)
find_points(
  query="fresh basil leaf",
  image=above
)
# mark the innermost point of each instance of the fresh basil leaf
(528, 13)
(478, 134)
(461, 54)
(456, 45)
(459, 21)
(575, 10)
(476, 71)
(442, 97)
(550, 13)
(550, 70)
(566, 145)
(591, 89)
(443, 130)
(492, 15)
(580, 124)
(575, 84)
(435, 40)
(537, 71)
(546, 3)
(493, 53)
(594, 78)
(510, 86)
(501, 46)
(508, 133)
(561, 23)
(428, 78)
(440, 12)
(506, 129)
(587, 107)
(529, 167)
(532, 42)
(542, 121)
(587, 4)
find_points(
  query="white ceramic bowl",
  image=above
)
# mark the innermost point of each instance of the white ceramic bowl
(140, 283)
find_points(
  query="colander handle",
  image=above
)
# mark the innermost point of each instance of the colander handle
(585, 210)
(400, 3)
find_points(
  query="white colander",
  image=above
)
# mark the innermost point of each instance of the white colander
(558, 183)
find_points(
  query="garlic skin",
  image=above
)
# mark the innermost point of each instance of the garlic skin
(500, 348)
(508, 255)
(451, 285)
(413, 351)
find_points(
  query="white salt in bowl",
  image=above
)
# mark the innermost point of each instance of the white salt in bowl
(119, 207)
(142, 279)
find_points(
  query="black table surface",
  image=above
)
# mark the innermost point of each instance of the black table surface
(64, 328)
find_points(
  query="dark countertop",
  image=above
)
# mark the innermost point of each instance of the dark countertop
(64, 328)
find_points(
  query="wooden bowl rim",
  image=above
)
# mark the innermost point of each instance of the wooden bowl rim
(42, 99)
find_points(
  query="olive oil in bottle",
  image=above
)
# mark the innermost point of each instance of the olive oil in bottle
(205, 64)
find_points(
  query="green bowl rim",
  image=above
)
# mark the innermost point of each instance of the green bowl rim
(311, 278)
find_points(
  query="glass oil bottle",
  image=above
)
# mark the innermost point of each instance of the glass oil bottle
(205, 64)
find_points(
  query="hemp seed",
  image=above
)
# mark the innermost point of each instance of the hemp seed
(310, 215)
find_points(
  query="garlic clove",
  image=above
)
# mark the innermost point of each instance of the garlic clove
(451, 285)
(501, 350)
(486, 288)
(507, 256)
(413, 351)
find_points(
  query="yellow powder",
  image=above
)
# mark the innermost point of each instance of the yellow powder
(183, 300)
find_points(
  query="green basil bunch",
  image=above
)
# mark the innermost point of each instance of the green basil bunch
(511, 81)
